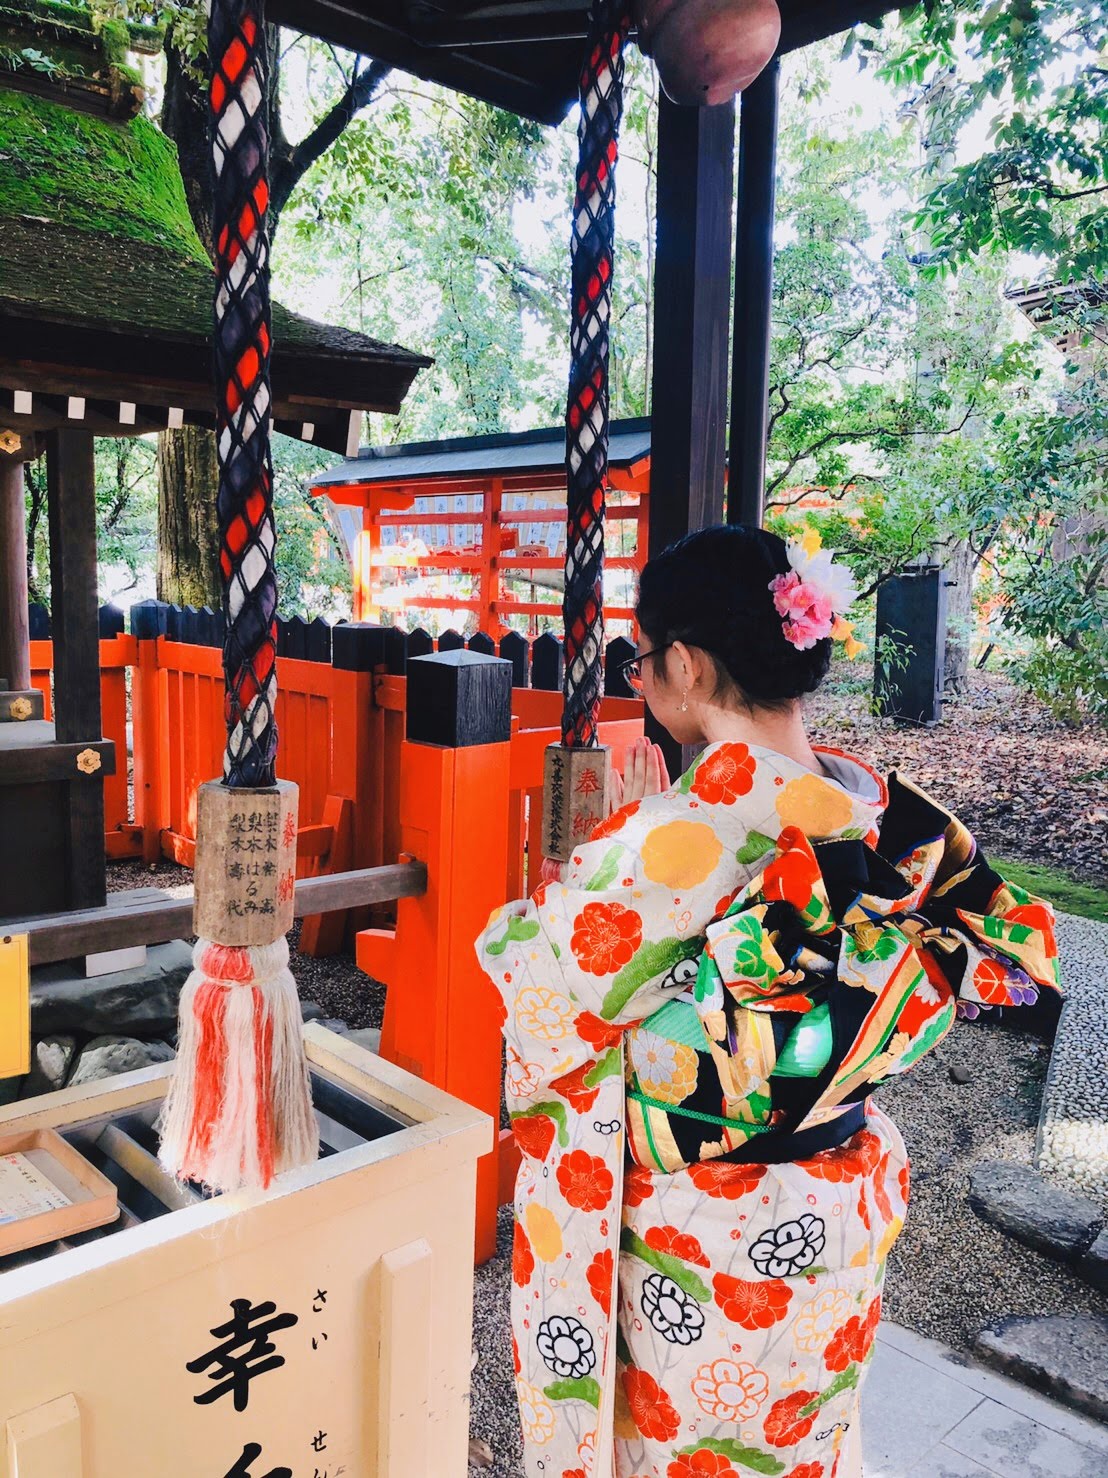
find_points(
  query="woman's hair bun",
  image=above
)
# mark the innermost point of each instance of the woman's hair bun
(711, 590)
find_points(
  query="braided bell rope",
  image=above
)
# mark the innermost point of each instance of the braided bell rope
(241, 345)
(592, 251)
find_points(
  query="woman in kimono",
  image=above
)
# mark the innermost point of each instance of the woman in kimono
(697, 1011)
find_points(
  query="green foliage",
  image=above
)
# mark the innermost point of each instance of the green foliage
(1037, 73)
(84, 171)
(412, 210)
(126, 509)
(313, 573)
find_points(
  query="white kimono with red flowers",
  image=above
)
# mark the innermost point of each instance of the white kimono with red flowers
(713, 1321)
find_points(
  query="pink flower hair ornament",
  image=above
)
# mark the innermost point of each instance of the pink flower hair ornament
(814, 596)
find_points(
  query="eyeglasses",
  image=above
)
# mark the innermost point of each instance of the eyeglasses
(632, 668)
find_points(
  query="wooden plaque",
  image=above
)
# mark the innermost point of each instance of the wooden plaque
(574, 798)
(245, 863)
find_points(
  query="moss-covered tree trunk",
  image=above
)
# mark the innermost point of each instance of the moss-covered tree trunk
(188, 533)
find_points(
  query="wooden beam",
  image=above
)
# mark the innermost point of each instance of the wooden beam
(15, 653)
(136, 918)
(754, 215)
(71, 495)
(692, 281)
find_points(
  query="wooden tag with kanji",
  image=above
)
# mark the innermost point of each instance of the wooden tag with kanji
(245, 862)
(574, 797)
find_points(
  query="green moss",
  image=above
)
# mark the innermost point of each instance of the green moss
(116, 41)
(51, 12)
(1065, 892)
(87, 172)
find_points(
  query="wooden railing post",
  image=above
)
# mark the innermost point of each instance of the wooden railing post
(442, 1018)
(357, 749)
(149, 623)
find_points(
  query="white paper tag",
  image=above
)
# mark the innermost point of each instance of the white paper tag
(25, 1191)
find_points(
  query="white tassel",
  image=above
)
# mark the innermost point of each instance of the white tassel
(239, 1108)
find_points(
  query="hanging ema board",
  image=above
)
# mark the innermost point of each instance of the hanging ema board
(48, 1191)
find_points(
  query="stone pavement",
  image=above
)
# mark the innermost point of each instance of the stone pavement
(1073, 1130)
(929, 1412)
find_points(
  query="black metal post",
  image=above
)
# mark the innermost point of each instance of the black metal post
(753, 298)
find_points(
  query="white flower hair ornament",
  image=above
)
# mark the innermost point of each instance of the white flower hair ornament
(814, 596)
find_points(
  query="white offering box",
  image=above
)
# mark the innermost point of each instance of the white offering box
(322, 1326)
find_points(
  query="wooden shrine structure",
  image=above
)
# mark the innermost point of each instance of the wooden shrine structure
(492, 507)
(105, 323)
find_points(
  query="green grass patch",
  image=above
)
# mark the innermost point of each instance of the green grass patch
(1059, 888)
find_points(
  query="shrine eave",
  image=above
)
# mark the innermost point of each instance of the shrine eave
(524, 57)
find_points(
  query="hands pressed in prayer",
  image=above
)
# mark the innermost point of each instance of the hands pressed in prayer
(644, 773)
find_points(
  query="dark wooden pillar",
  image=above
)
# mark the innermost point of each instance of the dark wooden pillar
(753, 299)
(71, 491)
(692, 299)
(692, 290)
(15, 657)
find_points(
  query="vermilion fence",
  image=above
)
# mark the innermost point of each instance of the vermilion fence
(340, 716)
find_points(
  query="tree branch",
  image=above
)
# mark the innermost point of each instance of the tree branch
(303, 155)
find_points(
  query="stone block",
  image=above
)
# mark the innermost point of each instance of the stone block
(51, 1059)
(1093, 1266)
(110, 961)
(1019, 1201)
(141, 1002)
(1059, 1355)
(104, 1057)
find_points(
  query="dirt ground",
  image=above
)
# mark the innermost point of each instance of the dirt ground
(1028, 786)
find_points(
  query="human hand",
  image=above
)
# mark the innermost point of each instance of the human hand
(644, 773)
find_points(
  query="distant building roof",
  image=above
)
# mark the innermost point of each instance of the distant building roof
(479, 456)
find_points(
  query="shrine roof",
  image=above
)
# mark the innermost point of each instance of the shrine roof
(479, 456)
(106, 290)
(523, 55)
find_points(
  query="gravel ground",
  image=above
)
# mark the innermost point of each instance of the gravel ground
(1073, 1148)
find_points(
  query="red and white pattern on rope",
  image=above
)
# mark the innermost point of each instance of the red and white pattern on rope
(242, 351)
(592, 254)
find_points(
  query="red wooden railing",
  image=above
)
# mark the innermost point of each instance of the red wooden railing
(341, 734)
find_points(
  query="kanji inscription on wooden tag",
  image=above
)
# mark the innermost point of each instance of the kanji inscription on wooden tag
(245, 862)
(574, 797)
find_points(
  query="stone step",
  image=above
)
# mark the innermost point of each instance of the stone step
(1052, 1219)
(1059, 1355)
(1072, 1144)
